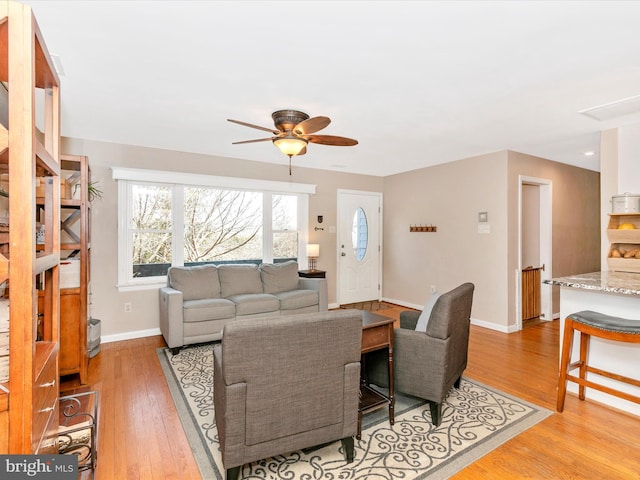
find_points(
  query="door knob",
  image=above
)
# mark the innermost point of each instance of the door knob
(343, 254)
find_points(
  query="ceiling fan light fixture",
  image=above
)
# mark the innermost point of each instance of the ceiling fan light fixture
(290, 145)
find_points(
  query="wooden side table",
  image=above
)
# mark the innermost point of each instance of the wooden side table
(377, 334)
(312, 273)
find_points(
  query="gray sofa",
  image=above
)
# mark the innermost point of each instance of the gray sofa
(199, 301)
(286, 383)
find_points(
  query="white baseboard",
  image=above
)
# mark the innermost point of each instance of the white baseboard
(130, 335)
(474, 321)
(493, 326)
(403, 304)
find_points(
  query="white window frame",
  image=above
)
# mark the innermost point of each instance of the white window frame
(177, 180)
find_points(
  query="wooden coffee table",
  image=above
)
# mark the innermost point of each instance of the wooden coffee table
(377, 334)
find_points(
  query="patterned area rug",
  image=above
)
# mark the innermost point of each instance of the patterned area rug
(476, 419)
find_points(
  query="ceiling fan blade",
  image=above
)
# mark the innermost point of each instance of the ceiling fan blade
(331, 140)
(311, 125)
(250, 125)
(253, 141)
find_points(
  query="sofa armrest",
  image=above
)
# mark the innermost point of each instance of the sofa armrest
(171, 317)
(319, 284)
(230, 413)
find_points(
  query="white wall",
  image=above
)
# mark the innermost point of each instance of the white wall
(629, 159)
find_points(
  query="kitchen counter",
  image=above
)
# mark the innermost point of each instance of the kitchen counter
(611, 293)
(609, 282)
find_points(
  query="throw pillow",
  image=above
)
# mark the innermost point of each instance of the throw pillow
(279, 277)
(195, 283)
(423, 319)
(238, 279)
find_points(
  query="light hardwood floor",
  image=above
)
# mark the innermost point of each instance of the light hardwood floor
(141, 437)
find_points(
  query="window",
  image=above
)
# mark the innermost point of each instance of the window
(204, 219)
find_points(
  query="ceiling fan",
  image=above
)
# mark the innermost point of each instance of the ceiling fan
(294, 130)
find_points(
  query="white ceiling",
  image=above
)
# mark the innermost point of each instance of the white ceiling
(417, 83)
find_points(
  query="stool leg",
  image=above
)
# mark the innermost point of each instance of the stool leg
(584, 349)
(567, 345)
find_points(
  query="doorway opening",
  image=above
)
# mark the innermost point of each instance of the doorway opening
(533, 298)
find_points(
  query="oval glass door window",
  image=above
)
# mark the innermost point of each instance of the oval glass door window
(360, 234)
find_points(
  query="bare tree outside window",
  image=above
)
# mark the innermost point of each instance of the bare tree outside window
(219, 225)
(222, 225)
(285, 226)
(151, 226)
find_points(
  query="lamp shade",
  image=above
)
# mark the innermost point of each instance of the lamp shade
(313, 250)
(290, 145)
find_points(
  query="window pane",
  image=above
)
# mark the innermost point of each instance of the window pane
(151, 230)
(285, 246)
(152, 254)
(360, 234)
(285, 212)
(222, 225)
(151, 207)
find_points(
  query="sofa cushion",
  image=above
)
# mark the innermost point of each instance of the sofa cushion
(208, 309)
(279, 277)
(295, 299)
(239, 279)
(195, 283)
(250, 304)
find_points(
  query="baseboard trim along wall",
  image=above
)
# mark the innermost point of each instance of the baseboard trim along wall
(130, 335)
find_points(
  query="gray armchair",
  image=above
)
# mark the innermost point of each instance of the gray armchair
(286, 383)
(427, 364)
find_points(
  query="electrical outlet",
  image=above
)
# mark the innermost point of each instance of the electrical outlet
(433, 289)
(127, 307)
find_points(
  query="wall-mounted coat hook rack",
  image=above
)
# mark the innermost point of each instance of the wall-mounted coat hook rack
(423, 228)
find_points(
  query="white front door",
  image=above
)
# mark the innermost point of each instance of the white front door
(359, 246)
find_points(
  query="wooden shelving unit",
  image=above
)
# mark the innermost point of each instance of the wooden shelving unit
(623, 240)
(75, 244)
(29, 412)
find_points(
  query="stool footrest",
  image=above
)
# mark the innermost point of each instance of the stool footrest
(604, 388)
(614, 376)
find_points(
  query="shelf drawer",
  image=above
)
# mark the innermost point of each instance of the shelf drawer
(376, 337)
(45, 402)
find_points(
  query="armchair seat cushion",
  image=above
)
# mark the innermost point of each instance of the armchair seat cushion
(253, 303)
(295, 299)
(208, 309)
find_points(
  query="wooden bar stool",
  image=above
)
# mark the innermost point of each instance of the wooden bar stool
(602, 326)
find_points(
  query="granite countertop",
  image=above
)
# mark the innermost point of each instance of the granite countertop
(610, 282)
